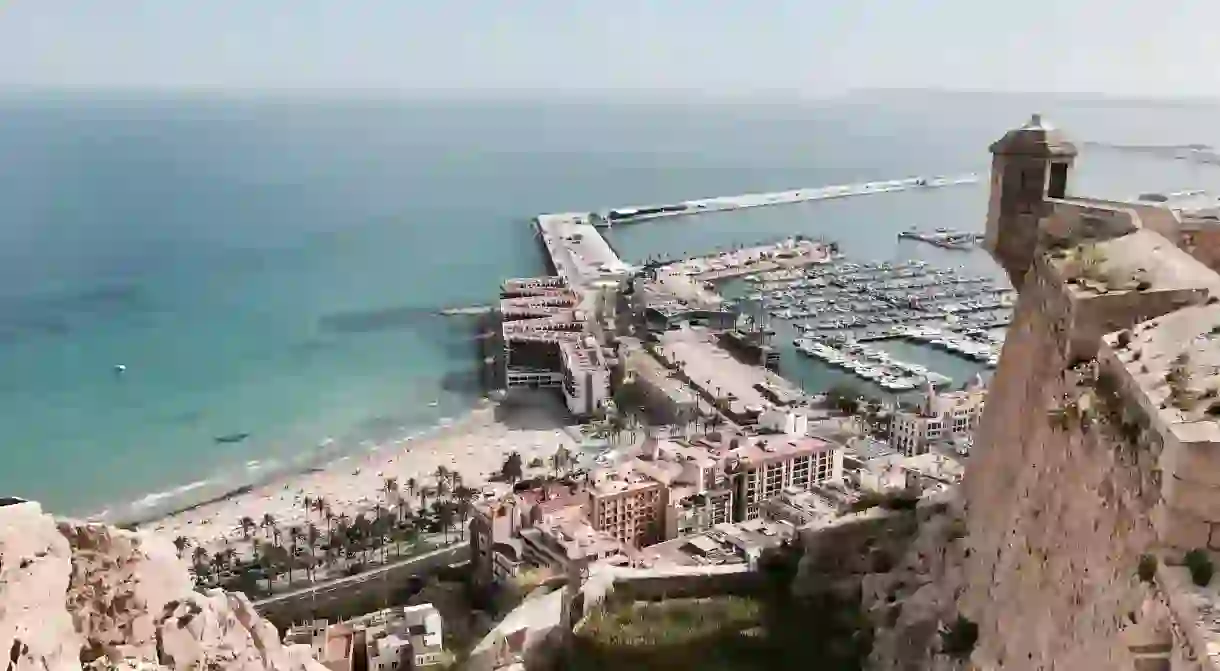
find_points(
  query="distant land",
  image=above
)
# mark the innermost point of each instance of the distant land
(1196, 152)
(1075, 98)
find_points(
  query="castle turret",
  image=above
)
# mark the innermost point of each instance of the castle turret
(1029, 165)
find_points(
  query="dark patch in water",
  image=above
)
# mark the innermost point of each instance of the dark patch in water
(62, 315)
(231, 438)
(372, 321)
(307, 350)
(462, 382)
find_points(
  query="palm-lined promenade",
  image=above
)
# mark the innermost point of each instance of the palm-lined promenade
(401, 500)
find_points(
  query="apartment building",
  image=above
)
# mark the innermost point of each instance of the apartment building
(764, 466)
(567, 540)
(403, 637)
(628, 504)
(497, 522)
(938, 417)
(700, 494)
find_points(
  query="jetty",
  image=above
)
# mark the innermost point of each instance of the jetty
(637, 214)
(473, 310)
(943, 238)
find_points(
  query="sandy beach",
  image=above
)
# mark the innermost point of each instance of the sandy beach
(474, 445)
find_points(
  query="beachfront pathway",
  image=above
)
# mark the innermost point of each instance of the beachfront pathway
(348, 581)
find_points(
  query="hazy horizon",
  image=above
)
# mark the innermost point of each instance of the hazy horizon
(714, 49)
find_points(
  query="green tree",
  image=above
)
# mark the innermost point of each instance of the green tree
(247, 525)
(561, 460)
(268, 524)
(845, 398)
(512, 468)
(463, 498)
(444, 517)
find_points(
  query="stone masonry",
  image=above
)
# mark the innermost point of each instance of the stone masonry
(1100, 443)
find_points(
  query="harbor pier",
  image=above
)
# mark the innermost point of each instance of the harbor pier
(637, 214)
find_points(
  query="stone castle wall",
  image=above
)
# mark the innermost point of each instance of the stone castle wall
(1099, 451)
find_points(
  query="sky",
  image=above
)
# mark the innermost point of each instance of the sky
(804, 48)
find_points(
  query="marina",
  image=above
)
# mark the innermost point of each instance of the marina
(838, 307)
(870, 364)
(630, 215)
(875, 296)
(553, 329)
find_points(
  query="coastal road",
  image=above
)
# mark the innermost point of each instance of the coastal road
(449, 554)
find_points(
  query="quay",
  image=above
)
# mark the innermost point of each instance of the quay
(629, 215)
(468, 310)
(944, 238)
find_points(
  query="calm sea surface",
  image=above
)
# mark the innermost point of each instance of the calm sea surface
(274, 267)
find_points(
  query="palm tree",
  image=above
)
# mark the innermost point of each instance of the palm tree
(329, 516)
(374, 526)
(391, 486)
(181, 543)
(559, 461)
(423, 497)
(268, 562)
(200, 560)
(401, 508)
(320, 505)
(463, 496)
(442, 481)
(268, 523)
(411, 486)
(292, 556)
(220, 561)
(247, 525)
(382, 527)
(444, 517)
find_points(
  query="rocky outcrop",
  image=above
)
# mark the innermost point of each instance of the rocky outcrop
(76, 595)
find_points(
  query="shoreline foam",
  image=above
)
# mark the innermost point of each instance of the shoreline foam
(475, 445)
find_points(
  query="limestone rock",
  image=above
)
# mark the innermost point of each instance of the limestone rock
(76, 595)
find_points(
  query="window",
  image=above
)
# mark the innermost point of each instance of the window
(1058, 181)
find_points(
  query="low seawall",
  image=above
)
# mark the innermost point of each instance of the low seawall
(350, 596)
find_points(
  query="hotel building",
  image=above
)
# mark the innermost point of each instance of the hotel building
(939, 417)
(764, 466)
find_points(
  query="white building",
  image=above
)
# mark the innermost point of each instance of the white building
(939, 417)
(586, 376)
(784, 421)
(404, 637)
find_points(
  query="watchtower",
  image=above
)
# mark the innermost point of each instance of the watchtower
(1029, 165)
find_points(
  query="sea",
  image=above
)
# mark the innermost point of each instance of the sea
(268, 270)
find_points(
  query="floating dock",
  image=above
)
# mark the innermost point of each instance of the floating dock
(631, 215)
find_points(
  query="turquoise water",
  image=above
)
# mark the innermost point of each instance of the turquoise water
(274, 267)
